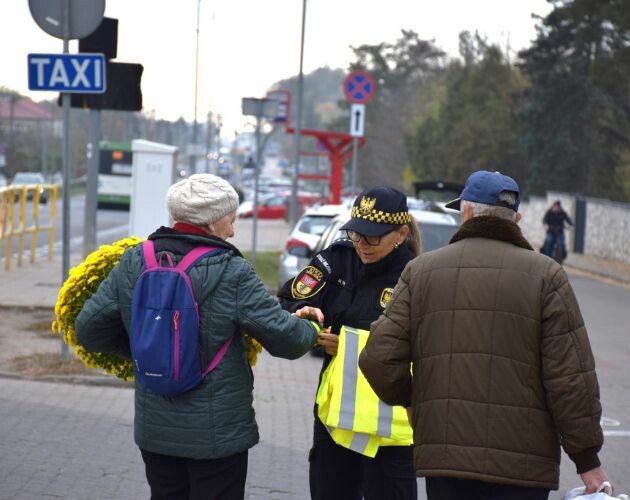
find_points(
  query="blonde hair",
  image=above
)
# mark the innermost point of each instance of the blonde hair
(414, 241)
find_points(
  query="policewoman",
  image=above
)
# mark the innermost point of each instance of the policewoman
(351, 282)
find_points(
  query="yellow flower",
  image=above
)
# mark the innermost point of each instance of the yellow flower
(83, 280)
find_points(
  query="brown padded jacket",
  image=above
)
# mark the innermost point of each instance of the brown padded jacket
(503, 371)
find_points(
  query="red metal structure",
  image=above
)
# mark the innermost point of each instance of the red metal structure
(339, 147)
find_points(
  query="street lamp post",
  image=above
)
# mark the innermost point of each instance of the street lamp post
(193, 151)
(293, 212)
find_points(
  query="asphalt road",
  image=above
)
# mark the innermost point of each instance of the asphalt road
(606, 312)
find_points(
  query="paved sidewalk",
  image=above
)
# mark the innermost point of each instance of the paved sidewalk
(75, 441)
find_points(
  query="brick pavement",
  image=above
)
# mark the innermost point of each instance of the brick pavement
(75, 441)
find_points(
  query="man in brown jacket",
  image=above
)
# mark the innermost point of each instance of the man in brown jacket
(484, 342)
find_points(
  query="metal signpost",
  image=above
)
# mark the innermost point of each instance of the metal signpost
(260, 108)
(359, 88)
(67, 19)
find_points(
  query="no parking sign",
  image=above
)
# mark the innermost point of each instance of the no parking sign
(359, 87)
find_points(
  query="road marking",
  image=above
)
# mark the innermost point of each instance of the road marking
(617, 433)
(610, 422)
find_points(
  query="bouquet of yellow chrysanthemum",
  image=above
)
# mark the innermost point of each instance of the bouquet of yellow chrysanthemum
(82, 282)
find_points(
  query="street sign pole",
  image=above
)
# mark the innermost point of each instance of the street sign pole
(260, 108)
(355, 153)
(65, 102)
(91, 187)
(54, 18)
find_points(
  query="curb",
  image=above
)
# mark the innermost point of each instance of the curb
(95, 380)
(602, 275)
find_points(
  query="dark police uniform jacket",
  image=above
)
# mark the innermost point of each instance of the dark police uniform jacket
(347, 291)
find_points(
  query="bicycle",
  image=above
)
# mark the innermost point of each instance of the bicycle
(558, 249)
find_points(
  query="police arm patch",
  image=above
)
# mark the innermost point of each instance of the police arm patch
(386, 296)
(308, 282)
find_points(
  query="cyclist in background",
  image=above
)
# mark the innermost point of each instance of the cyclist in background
(554, 220)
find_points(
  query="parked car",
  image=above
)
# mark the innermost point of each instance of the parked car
(3, 181)
(436, 230)
(31, 179)
(304, 237)
(435, 194)
(276, 206)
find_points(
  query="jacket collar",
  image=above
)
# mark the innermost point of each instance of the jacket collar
(168, 234)
(494, 228)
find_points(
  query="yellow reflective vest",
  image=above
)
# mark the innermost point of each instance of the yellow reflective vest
(353, 414)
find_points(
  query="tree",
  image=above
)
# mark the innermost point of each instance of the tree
(577, 116)
(469, 123)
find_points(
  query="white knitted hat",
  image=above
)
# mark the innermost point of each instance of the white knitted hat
(201, 199)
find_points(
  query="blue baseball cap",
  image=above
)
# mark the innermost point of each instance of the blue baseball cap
(484, 187)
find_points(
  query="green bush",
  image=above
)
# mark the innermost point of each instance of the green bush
(266, 265)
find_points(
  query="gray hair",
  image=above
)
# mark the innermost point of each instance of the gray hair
(480, 209)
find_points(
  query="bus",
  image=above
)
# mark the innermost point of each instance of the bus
(114, 175)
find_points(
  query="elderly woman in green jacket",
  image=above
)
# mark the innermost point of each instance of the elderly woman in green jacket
(195, 444)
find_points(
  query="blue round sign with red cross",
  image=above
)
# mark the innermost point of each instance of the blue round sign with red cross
(359, 87)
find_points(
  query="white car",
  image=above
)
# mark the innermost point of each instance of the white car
(436, 229)
(304, 237)
(317, 230)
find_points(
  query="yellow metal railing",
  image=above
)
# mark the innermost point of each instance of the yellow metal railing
(14, 203)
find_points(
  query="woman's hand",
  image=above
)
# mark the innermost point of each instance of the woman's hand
(309, 312)
(329, 341)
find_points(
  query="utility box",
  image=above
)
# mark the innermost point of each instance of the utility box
(153, 172)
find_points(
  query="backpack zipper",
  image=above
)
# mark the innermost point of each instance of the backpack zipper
(176, 340)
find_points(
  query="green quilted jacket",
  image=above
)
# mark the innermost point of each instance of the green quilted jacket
(215, 419)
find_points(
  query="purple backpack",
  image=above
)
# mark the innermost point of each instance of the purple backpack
(165, 324)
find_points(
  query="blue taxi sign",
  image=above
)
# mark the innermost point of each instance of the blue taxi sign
(77, 73)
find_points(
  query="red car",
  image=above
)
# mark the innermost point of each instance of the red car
(276, 206)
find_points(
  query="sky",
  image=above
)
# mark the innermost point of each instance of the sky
(247, 45)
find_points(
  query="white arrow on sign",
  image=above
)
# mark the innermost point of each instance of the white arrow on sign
(357, 120)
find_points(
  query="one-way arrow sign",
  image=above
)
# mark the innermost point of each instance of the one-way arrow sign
(67, 72)
(357, 120)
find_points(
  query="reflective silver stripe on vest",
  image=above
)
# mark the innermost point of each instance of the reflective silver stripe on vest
(348, 386)
(359, 442)
(385, 419)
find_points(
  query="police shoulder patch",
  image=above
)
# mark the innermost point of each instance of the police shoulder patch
(308, 282)
(386, 296)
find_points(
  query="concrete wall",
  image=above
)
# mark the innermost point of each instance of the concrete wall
(607, 231)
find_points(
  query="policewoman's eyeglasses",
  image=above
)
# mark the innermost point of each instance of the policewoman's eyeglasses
(370, 240)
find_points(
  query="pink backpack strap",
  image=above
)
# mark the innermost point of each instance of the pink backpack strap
(218, 357)
(193, 256)
(148, 253)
